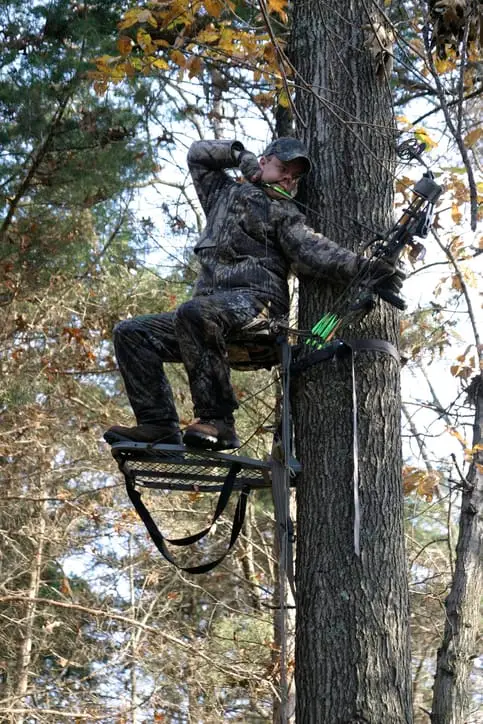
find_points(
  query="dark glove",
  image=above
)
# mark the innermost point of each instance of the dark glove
(249, 166)
(385, 280)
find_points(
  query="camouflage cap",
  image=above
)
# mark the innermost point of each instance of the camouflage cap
(287, 148)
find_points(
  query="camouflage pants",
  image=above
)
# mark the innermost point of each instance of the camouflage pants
(194, 334)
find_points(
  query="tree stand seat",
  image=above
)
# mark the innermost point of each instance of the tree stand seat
(256, 345)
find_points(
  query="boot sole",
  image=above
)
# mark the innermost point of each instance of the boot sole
(113, 437)
(208, 442)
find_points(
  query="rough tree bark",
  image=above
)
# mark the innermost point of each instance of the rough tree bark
(352, 640)
(451, 701)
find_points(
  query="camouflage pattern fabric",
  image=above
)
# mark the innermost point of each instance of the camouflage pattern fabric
(196, 335)
(250, 244)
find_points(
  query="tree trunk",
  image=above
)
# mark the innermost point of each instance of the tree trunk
(451, 700)
(283, 645)
(352, 639)
(133, 644)
(25, 650)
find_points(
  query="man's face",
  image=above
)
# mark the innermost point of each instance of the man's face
(284, 173)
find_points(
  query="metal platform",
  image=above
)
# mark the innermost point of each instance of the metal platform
(176, 467)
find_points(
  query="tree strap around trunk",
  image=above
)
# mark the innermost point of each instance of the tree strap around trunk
(340, 347)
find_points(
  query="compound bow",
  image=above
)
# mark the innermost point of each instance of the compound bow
(415, 221)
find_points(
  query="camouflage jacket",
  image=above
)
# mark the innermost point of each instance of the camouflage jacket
(251, 242)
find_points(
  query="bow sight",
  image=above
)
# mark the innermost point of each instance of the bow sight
(416, 221)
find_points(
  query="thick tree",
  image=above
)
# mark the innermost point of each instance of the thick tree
(352, 641)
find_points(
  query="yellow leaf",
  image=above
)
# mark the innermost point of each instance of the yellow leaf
(226, 39)
(117, 74)
(284, 99)
(208, 35)
(106, 60)
(443, 66)
(124, 44)
(144, 40)
(422, 135)
(161, 63)
(133, 16)
(136, 63)
(278, 6)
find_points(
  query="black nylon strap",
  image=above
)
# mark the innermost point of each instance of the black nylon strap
(160, 541)
(340, 347)
(373, 345)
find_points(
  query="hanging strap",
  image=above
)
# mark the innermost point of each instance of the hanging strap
(160, 541)
(361, 345)
(281, 474)
(337, 348)
(355, 464)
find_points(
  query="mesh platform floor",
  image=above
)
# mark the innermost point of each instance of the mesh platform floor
(174, 467)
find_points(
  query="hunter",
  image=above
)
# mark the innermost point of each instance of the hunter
(254, 237)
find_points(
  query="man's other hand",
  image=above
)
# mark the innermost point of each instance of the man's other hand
(386, 280)
(249, 166)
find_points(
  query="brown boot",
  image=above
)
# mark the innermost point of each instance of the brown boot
(162, 433)
(211, 435)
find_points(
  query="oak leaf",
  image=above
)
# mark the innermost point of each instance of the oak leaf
(473, 136)
(214, 7)
(456, 214)
(124, 44)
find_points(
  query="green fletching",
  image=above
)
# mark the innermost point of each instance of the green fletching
(279, 190)
(325, 325)
(322, 330)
